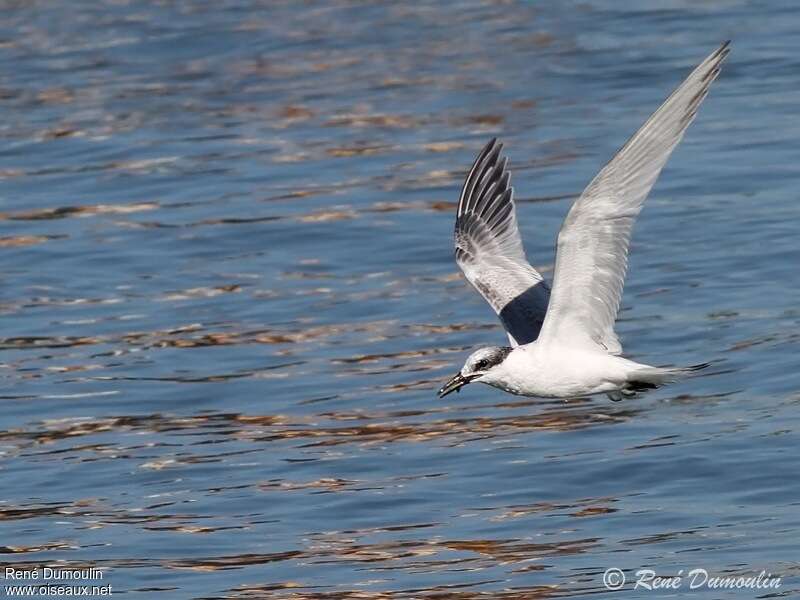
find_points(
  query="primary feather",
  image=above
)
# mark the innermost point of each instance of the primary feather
(489, 248)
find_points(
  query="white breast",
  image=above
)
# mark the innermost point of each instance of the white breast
(560, 372)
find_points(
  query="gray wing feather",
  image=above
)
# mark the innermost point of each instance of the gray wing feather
(489, 248)
(592, 253)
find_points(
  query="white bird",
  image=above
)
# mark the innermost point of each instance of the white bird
(562, 340)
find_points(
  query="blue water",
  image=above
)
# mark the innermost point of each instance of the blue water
(228, 297)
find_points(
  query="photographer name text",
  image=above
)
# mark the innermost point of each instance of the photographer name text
(52, 574)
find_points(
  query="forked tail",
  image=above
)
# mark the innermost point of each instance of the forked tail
(653, 377)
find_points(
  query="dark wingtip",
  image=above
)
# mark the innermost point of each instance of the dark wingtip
(493, 146)
(724, 50)
(488, 147)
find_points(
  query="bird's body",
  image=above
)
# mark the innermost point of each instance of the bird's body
(560, 371)
(562, 337)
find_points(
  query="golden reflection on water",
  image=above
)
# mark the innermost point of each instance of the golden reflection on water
(412, 555)
(374, 427)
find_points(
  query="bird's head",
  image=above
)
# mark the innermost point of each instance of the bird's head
(480, 366)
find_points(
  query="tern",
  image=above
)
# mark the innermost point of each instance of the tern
(562, 337)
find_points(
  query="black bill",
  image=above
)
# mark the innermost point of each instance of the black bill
(455, 384)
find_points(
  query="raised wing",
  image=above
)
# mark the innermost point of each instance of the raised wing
(489, 248)
(592, 253)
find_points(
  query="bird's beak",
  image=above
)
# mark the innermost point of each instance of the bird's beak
(455, 384)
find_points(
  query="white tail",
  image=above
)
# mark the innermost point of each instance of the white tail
(658, 376)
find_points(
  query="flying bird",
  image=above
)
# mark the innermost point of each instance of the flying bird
(562, 340)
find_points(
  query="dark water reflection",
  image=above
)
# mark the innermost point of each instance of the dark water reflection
(229, 297)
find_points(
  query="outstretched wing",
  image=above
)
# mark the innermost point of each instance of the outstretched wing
(489, 248)
(592, 254)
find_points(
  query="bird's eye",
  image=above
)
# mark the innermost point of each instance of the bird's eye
(482, 364)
